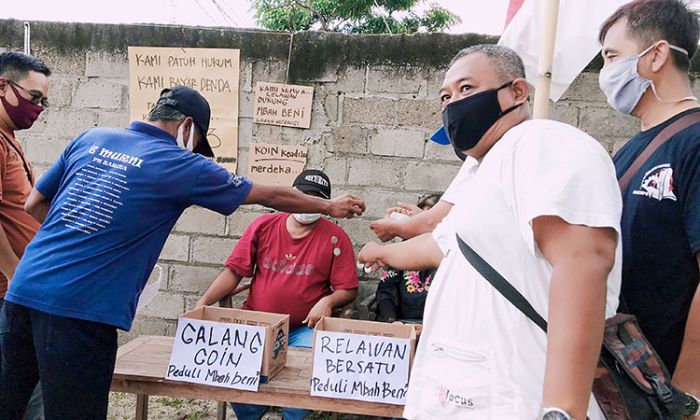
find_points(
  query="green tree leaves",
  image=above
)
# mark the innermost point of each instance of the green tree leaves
(352, 16)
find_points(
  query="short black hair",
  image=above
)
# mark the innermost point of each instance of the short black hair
(649, 21)
(163, 112)
(16, 65)
(429, 200)
(507, 63)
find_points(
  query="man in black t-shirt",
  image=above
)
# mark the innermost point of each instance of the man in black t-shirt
(647, 49)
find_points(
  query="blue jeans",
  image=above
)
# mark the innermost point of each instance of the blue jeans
(301, 337)
(74, 358)
(255, 412)
(298, 337)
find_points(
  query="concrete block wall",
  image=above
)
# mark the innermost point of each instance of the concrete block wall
(375, 106)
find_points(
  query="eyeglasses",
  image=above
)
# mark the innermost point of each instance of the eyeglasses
(36, 97)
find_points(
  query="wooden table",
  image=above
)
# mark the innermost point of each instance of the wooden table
(142, 364)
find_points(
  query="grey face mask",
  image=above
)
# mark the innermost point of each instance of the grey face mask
(624, 87)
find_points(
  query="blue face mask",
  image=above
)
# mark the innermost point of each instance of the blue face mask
(624, 87)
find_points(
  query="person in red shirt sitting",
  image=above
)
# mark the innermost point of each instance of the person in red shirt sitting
(299, 264)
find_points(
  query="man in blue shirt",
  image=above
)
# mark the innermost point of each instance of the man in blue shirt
(647, 50)
(107, 207)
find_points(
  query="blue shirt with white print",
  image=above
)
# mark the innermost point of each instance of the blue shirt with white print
(115, 196)
(661, 235)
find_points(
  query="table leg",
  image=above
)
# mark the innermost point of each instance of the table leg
(220, 410)
(141, 407)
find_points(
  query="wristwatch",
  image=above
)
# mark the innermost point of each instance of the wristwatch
(692, 405)
(554, 413)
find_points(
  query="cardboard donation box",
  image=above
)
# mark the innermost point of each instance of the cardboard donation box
(362, 360)
(230, 348)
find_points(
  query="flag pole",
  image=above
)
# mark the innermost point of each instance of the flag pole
(544, 67)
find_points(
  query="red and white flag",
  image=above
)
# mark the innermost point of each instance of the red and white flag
(577, 36)
(513, 7)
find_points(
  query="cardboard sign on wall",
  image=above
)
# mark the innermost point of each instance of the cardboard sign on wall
(213, 72)
(276, 164)
(285, 105)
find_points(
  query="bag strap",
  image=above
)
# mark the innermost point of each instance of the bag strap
(661, 138)
(501, 284)
(21, 156)
(661, 390)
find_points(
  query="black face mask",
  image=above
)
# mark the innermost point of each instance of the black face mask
(468, 119)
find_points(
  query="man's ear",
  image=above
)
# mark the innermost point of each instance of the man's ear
(660, 55)
(185, 123)
(521, 89)
(188, 124)
(188, 121)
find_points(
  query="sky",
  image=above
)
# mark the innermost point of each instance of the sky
(478, 16)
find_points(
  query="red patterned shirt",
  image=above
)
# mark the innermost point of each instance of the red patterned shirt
(290, 275)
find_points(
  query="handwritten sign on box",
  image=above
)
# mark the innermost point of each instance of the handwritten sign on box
(276, 164)
(286, 105)
(217, 354)
(360, 367)
(213, 72)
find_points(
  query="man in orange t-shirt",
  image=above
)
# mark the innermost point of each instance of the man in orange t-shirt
(23, 96)
(23, 90)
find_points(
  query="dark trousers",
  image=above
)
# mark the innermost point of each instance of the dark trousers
(74, 359)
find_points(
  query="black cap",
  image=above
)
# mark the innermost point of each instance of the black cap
(313, 181)
(192, 104)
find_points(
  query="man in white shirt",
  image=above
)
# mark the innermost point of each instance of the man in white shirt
(543, 208)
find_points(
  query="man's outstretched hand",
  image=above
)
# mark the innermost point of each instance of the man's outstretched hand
(370, 256)
(383, 228)
(404, 208)
(346, 206)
